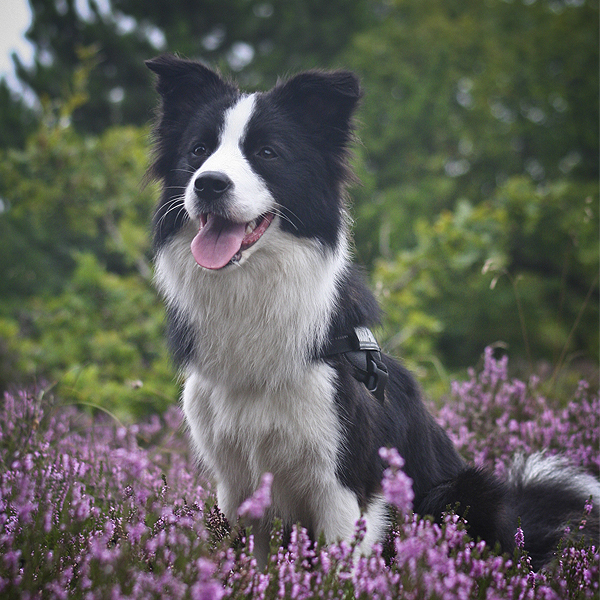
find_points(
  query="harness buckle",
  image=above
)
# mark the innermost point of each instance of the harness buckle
(377, 375)
(361, 350)
(368, 365)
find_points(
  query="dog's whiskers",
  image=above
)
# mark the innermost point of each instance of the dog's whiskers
(189, 171)
(279, 211)
(173, 204)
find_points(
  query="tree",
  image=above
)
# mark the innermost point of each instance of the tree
(478, 160)
(480, 144)
(17, 120)
(78, 308)
(257, 40)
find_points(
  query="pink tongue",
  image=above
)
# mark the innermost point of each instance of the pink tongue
(217, 242)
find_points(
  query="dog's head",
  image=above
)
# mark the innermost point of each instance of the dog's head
(239, 165)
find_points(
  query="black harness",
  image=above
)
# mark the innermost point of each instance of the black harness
(361, 350)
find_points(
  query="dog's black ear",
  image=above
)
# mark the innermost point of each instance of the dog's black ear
(322, 100)
(184, 86)
(185, 83)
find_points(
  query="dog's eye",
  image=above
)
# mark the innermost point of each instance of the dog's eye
(200, 150)
(267, 152)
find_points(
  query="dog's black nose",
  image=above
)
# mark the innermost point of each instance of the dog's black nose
(212, 185)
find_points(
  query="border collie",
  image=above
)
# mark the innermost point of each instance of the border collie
(268, 321)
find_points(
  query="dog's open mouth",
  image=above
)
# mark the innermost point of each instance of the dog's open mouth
(220, 242)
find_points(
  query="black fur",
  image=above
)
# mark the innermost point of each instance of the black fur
(180, 337)
(441, 478)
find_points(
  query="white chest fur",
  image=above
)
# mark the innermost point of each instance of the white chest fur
(253, 399)
(292, 433)
(256, 323)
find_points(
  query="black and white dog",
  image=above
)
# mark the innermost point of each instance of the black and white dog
(268, 319)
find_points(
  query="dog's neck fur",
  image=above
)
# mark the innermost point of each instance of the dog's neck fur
(271, 310)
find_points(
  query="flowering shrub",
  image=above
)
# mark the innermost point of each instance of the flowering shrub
(256, 505)
(93, 510)
(396, 485)
(490, 418)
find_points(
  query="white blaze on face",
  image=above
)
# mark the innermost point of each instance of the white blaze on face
(249, 198)
(246, 210)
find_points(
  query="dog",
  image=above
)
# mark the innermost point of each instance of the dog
(269, 322)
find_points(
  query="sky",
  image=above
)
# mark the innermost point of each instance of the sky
(16, 17)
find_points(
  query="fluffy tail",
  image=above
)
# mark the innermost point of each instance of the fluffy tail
(545, 493)
(549, 495)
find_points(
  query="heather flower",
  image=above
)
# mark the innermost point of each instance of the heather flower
(396, 485)
(206, 588)
(491, 418)
(255, 506)
(89, 510)
(519, 538)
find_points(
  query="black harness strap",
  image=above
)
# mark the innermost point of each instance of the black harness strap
(361, 350)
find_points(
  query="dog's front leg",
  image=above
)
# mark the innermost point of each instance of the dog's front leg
(339, 515)
(262, 541)
(229, 503)
(342, 522)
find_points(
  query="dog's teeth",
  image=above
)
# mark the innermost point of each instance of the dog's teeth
(250, 227)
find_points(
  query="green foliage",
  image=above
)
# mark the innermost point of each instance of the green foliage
(518, 269)
(461, 96)
(78, 306)
(257, 40)
(64, 193)
(477, 215)
(17, 120)
(101, 339)
(477, 150)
